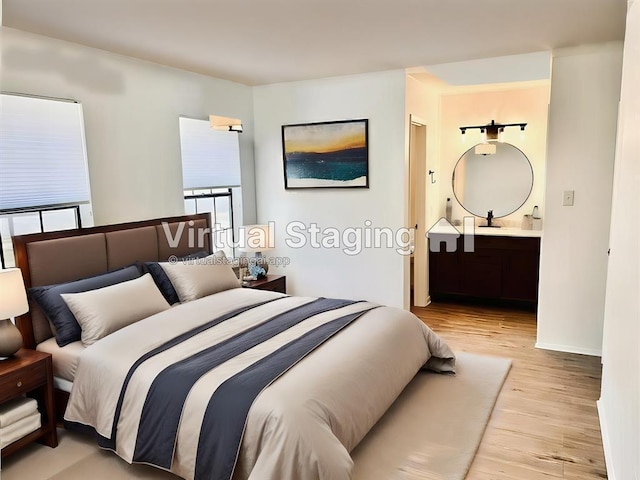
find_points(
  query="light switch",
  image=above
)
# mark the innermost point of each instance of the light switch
(567, 198)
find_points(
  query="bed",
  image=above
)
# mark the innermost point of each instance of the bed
(238, 384)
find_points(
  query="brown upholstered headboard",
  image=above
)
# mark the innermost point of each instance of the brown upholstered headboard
(58, 257)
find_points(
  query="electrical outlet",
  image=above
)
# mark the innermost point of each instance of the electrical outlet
(567, 198)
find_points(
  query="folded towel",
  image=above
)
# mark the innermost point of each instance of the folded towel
(19, 429)
(16, 409)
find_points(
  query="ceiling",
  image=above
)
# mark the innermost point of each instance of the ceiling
(260, 42)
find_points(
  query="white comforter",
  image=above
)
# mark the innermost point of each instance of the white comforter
(302, 426)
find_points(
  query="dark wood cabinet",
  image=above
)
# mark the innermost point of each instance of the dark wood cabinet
(499, 268)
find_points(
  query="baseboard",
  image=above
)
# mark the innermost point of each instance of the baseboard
(568, 349)
(604, 431)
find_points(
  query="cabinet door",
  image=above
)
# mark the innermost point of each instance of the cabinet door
(481, 273)
(520, 275)
(444, 273)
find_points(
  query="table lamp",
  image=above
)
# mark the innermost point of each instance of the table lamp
(258, 239)
(13, 302)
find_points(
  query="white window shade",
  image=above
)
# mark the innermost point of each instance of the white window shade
(42, 153)
(210, 158)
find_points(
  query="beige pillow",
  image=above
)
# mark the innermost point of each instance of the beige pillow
(105, 310)
(201, 277)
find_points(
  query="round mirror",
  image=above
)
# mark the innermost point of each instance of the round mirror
(492, 176)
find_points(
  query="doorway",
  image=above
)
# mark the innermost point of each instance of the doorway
(418, 184)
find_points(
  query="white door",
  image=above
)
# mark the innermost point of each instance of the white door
(417, 210)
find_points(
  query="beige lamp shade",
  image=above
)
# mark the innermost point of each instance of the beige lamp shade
(13, 297)
(256, 238)
(13, 302)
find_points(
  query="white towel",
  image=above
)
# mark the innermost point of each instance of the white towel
(19, 429)
(17, 409)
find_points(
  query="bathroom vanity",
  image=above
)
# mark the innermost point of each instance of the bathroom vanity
(502, 267)
(491, 181)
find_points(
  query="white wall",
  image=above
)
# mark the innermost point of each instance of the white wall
(516, 104)
(619, 405)
(375, 274)
(131, 111)
(423, 100)
(585, 89)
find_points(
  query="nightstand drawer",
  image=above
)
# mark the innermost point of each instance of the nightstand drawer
(277, 285)
(273, 283)
(23, 380)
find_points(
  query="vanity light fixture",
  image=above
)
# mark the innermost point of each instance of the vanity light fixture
(485, 148)
(492, 131)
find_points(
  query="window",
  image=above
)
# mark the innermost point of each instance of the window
(26, 221)
(44, 184)
(211, 178)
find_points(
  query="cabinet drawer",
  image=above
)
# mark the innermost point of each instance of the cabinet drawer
(23, 380)
(507, 243)
(271, 284)
(275, 286)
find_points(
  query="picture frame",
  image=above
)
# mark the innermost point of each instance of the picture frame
(326, 154)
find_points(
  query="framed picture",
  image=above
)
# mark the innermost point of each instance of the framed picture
(326, 155)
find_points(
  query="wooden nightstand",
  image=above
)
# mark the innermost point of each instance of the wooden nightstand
(273, 283)
(30, 372)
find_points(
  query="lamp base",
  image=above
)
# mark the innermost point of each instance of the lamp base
(259, 260)
(10, 338)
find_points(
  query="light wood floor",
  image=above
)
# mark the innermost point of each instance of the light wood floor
(545, 424)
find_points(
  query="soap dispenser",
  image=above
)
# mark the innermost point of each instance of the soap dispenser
(448, 210)
(536, 212)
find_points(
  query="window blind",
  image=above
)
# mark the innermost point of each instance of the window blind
(210, 158)
(42, 153)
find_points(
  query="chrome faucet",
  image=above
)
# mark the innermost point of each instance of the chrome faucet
(489, 218)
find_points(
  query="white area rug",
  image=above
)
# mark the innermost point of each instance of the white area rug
(433, 430)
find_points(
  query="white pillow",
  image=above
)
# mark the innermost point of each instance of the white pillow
(105, 310)
(198, 278)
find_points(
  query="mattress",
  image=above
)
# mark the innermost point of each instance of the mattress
(65, 359)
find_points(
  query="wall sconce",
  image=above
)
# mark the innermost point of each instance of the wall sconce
(492, 131)
(225, 123)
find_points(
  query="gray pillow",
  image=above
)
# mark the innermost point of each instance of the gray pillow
(56, 310)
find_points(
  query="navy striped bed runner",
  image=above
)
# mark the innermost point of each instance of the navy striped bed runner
(226, 414)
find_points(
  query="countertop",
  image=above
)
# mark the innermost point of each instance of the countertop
(448, 229)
